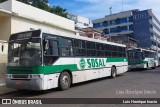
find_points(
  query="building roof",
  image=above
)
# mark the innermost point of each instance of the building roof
(90, 29)
(114, 16)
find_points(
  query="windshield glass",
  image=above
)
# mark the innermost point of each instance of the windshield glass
(150, 54)
(24, 52)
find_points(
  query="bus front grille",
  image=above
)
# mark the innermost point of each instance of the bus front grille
(22, 71)
(20, 76)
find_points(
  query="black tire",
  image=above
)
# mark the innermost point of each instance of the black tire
(113, 72)
(64, 81)
(147, 66)
(154, 66)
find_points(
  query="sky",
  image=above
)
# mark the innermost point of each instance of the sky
(94, 9)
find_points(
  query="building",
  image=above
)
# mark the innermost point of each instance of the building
(142, 26)
(16, 17)
(115, 24)
(91, 33)
(80, 22)
(123, 39)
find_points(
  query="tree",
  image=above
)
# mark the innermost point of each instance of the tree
(59, 11)
(42, 4)
(45, 1)
(24, 1)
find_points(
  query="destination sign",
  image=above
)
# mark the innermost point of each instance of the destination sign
(27, 34)
(24, 35)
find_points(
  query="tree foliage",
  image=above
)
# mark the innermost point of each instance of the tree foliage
(59, 11)
(24, 1)
(43, 4)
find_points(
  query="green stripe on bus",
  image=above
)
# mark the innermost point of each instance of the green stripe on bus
(54, 68)
(116, 60)
(41, 69)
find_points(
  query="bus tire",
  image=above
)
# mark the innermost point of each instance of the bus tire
(147, 66)
(154, 66)
(64, 81)
(113, 72)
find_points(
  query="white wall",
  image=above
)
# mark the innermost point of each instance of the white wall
(20, 24)
(82, 21)
(5, 27)
(21, 9)
(3, 47)
(6, 5)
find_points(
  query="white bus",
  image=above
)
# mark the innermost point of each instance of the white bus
(41, 61)
(142, 58)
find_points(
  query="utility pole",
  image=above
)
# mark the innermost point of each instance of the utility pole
(110, 10)
(109, 29)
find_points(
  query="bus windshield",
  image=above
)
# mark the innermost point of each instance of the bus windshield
(150, 54)
(24, 52)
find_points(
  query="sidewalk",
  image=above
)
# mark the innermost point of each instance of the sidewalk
(2, 72)
(4, 90)
(2, 81)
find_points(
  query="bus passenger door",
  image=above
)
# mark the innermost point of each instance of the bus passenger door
(50, 62)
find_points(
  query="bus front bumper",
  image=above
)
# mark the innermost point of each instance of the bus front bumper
(28, 84)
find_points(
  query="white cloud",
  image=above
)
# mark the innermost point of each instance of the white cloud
(100, 8)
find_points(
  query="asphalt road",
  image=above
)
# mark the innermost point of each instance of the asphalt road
(133, 84)
(128, 85)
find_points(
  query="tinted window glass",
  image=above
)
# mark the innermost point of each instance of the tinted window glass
(66, 47)
(79, 48)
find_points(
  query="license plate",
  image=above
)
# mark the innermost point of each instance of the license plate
(19, 83)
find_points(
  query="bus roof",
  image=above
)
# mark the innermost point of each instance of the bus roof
(141, 49)
(74, 37)
(89, 39)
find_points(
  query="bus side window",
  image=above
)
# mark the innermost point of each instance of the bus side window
(51, 53)
(45, 46)
(79, 48)
(66, 47)
(50, 47)
(54, 48)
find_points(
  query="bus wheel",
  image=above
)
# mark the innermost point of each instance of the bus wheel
(64, 81)
(113, 72)
(147, 66)
(154, 66)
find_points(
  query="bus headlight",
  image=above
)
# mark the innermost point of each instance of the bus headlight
(34, 76)
(8, 76)
(30, 76)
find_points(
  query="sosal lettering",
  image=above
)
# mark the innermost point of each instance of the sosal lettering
(95, 63)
